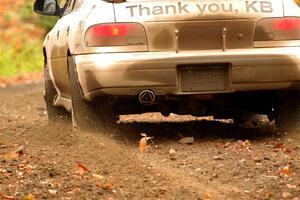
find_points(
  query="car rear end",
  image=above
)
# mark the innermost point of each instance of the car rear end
(199, 49)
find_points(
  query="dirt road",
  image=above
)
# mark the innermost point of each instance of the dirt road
(43, 161)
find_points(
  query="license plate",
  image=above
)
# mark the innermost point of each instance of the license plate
(203, 79)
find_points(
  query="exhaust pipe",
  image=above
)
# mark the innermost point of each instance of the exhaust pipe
(147, 97)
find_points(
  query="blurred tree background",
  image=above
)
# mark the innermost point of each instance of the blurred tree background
(21, 37)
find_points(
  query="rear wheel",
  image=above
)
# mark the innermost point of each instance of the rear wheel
(86, 115)
(288, 112)
(54, 113)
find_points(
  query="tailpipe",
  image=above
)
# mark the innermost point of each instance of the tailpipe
(147, 97)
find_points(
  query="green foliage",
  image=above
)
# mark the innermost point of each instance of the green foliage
(15, 62)
(23, 53)
(45, 22)
(26, 11)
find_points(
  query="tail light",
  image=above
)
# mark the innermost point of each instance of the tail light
(116, 34)
(278, 29)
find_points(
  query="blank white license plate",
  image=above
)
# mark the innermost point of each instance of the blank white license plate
(204, 78)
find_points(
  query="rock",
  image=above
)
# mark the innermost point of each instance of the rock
(286, 195)
(172, 154)
(187, 140)
(53, 192)
(267, 158)
(214, 175)
(257, 159)
(20, 150)
(218, 158)
(227, 144)
(197, 169)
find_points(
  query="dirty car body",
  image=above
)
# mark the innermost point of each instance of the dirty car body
(186, 57)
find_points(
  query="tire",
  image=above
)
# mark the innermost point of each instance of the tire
(54, 113)
(97, 115)
(288, 112)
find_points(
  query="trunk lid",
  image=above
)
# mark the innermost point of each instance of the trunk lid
(172, 10)
(198, 24)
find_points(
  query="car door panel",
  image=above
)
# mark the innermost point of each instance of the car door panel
(60, 65)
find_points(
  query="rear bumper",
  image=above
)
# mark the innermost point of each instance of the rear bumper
(127, 74)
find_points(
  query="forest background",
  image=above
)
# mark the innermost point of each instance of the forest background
(21, 36)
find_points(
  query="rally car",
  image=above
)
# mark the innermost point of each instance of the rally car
(226, 58)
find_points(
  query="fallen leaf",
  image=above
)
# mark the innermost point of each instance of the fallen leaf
(81, 169)
(143, 144)
(28, 169)
(279, 145)
(14, 154)
(269, 195)
(207, 196)
(282, 147)
(29, 197)
(6, 197)
(287, 150)
(11, 156)
(286, 171)
(106, 186)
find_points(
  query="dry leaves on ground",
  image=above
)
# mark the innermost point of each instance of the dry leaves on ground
(80, 169)
(106, 186)
(7, 197)
(29, 197)
(286, 170)
(207, 196)
(13, 155)
(281, 147)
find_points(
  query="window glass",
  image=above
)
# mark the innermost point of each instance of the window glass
(49, 6)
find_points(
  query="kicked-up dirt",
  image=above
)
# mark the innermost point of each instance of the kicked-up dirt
(39, 160)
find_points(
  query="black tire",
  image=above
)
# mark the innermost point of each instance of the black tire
(54, 113)
(96, 115)
(288, 112)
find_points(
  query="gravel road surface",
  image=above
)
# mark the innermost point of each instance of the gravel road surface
(39, 160)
